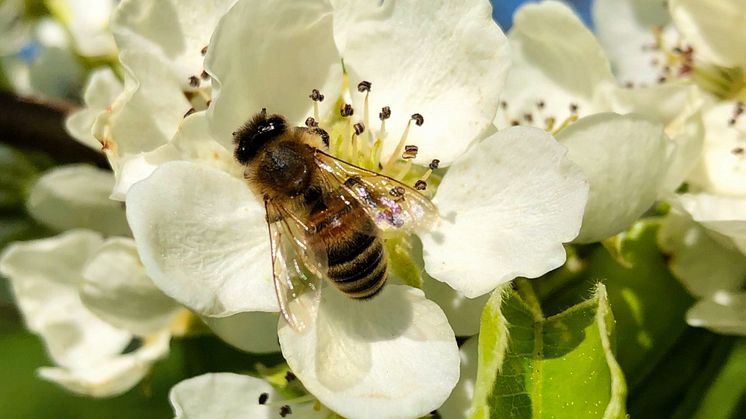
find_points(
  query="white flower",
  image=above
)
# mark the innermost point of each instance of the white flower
(202, 234)
(55, 280)
(101, 89)
(561, 81)
(88, 24)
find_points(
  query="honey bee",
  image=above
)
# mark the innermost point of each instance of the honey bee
(325, 216)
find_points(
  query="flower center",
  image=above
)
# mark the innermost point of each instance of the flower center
(537, 116)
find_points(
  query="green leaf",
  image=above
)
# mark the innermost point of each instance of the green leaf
(562, 366)
(726, 397)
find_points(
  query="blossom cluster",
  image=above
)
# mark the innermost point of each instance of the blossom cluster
(530, 143)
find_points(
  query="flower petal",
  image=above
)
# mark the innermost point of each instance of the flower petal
(227, 395)
(722, 168)
(458, 405)
(113, 376)
(506, 207)
(626, 160)
(45, 275)
(453, 80)
(627, 30)
(557, 63)
(713, 27)
(251, 332)
(175, 30)
(118, 291)
(77, 196)
(722, 214)
(101, 90)
(463, 313)
(255, 65)
(88, 23)
(202, 237)
(392, 356)
(704, 264)
(724, 313)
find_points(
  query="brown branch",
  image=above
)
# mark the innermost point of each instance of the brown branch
(38, 124)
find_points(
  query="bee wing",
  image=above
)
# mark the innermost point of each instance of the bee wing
(298, 265)
(391, 204)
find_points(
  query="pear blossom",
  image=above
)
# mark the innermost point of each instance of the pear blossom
(88, 24)
(201, 232)
(562, 81)
(57, 283)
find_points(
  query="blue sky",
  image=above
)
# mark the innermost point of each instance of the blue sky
(503, 10)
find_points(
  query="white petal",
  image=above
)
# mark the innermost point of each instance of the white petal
(392, 356)
(88, 23)
(77, 196)
(113, 376)
(458, 405)
(725, 313)
(556, 61)
(45, 275)
(722, 170)
(463, 313)
(271, 55)
(101, 90)
(625, 159)
(703, 263)
(451, 63)
(203, 239)
(722, 214)
(626, 29)
(251, 332)
(117, 290)
(176, 30)
(226, 395)
(715, 28)
(506, 207)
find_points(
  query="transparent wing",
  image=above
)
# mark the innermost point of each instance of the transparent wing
(390, 203)
(298, 265)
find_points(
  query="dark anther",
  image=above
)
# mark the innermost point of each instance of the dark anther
(316, 96)
(732, 122)
(662, 79)
(540, 104)
(528, 117)
(346, 110)
(514, 123)
(434, 164)
(385, 113)
(504, 104)
(359, 128)
(410, 152)
(363, 86)
(420, 185)
(203, 51)
(737, 151)
(289, 376)
(397, 191)
(189, 112)
(311, 123)
(323, 134)
(204, 75)
(263, 398)
(418, 119)
(208, 103)
(285, 410)
(194, 81)
(573, 108)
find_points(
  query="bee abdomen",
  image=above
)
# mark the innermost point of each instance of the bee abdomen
(362, 272)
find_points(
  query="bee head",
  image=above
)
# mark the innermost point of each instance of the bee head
(260, 130)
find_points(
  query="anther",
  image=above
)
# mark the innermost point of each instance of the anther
(363, 86)
(346, 110)
(189, 112)
(204, 75)
(418, 119)
(311, 123)
(514, 123)
(208, 103)
(263, 398)
(573, 108)
(397, 192)
(289, 376)
(316, 96)
(203, 51)
(540, 105)
(434, 164)
(732, 122)
(285, 410)
(359, 128)
(737, 151)
(528, 118)
(504, 105)
(194, 81)
(385, 113)
(410, 152)
(420, 185)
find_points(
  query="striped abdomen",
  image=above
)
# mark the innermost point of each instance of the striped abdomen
(355, 255)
